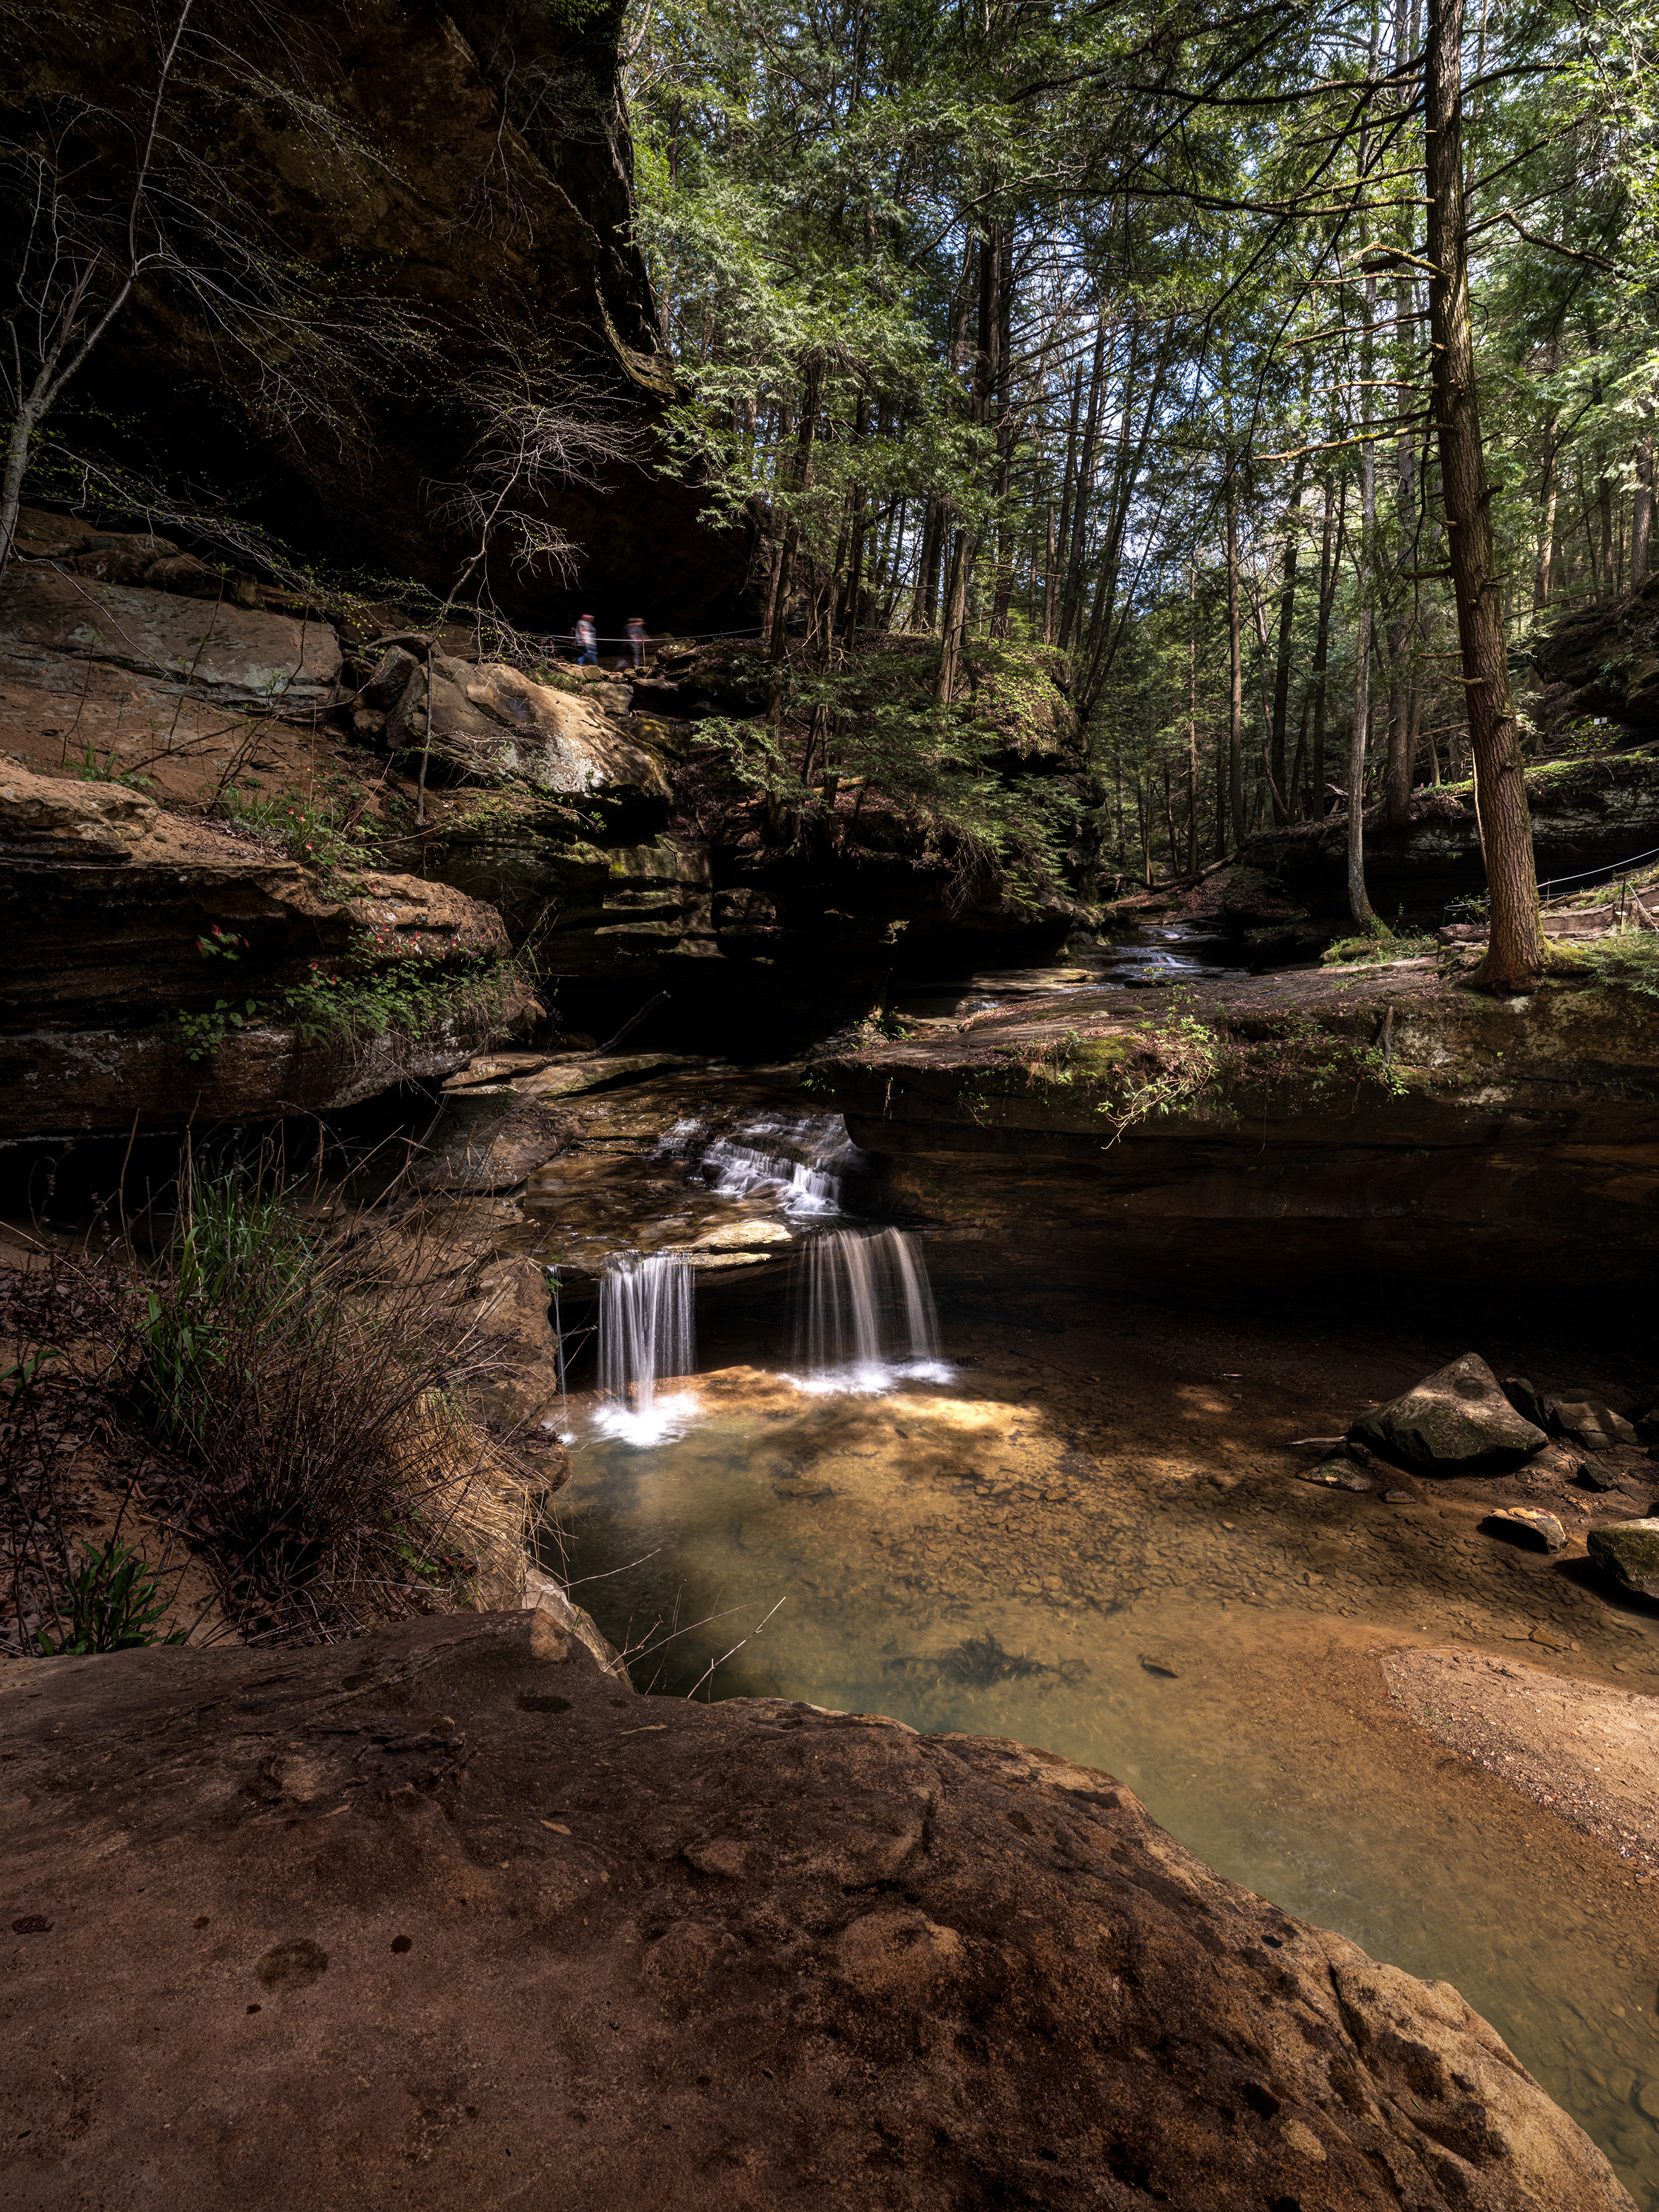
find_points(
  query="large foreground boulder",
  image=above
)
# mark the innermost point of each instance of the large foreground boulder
(447, 1917)
(1456, 1421)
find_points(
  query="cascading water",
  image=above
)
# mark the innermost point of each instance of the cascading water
(647, 1332)
(865, 1317)
(800, 1163)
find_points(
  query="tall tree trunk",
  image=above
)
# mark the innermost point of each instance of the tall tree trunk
(1085, 476)
(1641, 517)
(1359, 903)
(1282, 665)
(1191, 720)
(1330, 566)
(1061, 549)
(1169, 822)
(925, 596)
(955, 616)
(856, 531)
(1235, 664)
(1299, 808)
(1515, 950)
(1541, 589)
(800, 476)
(1402, 627)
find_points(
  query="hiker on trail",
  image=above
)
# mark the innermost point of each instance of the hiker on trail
(587, 642)
(637, 640)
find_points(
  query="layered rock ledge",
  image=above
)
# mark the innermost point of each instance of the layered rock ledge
(122, 917)
(1384, 1103)
(447, 1916)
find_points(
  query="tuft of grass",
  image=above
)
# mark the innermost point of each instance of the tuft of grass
(114, 1604)
(1380, 944)
(314, 1377)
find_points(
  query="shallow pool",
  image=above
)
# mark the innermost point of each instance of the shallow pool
(951, 1561)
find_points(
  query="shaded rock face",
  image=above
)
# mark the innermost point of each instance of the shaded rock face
(107, 902)
(468, 168)
(1604, 662)
(420, 1919)
(53, 624)
(1586, 815)
(1453, 1421)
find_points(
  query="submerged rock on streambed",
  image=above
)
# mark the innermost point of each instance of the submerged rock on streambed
(732, 1954)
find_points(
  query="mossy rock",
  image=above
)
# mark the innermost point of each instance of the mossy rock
(1627, 1552)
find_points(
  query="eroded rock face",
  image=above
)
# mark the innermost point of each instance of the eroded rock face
(1456, 1421)
(1345, 1114)
(108, 901)
(417, 1920)
(1586, 814)
(513, 215)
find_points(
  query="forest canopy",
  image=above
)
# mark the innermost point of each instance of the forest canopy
(1111, 332)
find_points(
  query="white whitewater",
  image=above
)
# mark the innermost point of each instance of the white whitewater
(800, 1162)
(647, 1332)
(866, 1318)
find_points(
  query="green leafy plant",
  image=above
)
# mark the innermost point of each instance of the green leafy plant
(93, 770)
(115, 1604)
(330, 830)
(318, 1392)
(204, 1033)
(1181, 1056)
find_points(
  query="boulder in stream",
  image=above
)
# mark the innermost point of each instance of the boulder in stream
(1456, 1421)
(425, 1918)
(1627, 1552)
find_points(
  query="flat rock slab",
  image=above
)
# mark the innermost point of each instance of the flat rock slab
(447, 1917)
(239, 656)
(1454, 1421)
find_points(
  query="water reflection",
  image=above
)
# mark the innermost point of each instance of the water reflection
(950, 1561)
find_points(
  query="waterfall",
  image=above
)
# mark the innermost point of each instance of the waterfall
(865, 1317)
(647, 1331)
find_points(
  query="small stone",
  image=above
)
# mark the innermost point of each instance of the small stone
(1627, 1552)
(1397, 1496)
(1550, 1638)
(1457, 1420)
(1588, 1476)
(1156, 1663)
(1537, 1528)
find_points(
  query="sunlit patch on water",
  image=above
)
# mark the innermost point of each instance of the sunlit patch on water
(664, 1421)
(870, 1378)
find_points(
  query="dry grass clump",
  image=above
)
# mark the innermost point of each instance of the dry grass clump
(302, 1382)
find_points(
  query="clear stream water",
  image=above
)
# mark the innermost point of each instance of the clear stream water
(869, 1535)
